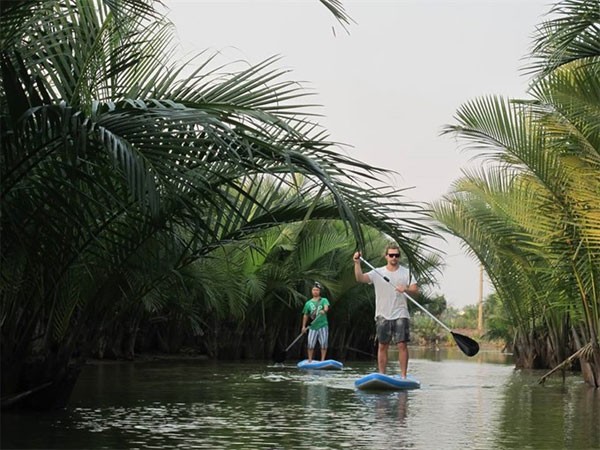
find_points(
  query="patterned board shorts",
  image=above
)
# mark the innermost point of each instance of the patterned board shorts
(322, 335)
(393, 331)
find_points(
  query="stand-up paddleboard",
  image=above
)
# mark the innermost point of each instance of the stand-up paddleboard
(328, 364)
(382, 382)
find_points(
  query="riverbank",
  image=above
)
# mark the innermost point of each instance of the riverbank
(190, 355)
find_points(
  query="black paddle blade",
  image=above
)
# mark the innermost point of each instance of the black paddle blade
(468, 346)
(279, 355)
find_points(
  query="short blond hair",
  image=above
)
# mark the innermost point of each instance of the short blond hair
(390, 246)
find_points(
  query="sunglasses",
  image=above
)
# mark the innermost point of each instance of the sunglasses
(394, 255)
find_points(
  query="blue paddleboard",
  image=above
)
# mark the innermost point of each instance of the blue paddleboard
(382, 382)
(328, 364)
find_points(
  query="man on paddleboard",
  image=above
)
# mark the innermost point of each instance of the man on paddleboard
(315, 309)
(391, 307)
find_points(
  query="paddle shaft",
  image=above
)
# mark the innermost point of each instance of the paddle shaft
(294, 341)
(407, 296)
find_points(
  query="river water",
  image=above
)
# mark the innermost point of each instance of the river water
(474, 403)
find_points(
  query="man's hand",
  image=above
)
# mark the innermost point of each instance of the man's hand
(402, 288)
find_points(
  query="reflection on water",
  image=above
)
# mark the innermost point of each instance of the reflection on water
(390, 407)
(476, 403)
(315, 394)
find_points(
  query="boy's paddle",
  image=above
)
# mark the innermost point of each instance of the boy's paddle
(279, 356)
(468, 346)
(294, 341)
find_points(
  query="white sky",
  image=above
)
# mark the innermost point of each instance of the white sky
(389, 85)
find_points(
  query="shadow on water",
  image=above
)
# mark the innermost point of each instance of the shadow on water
(476, 403)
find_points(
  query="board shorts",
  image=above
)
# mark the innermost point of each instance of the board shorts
(321, 335)
(394, 331)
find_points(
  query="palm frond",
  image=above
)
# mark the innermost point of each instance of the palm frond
(570, 35)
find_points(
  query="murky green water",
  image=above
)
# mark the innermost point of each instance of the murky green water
(475, 403)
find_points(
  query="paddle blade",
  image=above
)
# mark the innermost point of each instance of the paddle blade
(279, 355)
(467, 345)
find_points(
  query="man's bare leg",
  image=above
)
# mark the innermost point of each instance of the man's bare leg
(403, 358)
(382, 357)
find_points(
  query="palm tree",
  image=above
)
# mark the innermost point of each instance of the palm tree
(119, 174)
(532, 216)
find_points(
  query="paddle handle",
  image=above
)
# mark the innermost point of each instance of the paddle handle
(408, 296)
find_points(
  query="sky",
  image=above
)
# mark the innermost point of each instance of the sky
(388, 83)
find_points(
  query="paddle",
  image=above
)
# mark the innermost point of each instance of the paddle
(294, 341)
(468, 346)
(279, 356)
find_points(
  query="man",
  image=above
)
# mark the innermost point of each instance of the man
(391, 307)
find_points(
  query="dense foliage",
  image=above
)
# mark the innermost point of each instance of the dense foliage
(133, 191)
(531, 215)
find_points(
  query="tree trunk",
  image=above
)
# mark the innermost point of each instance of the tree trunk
(590, 366)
